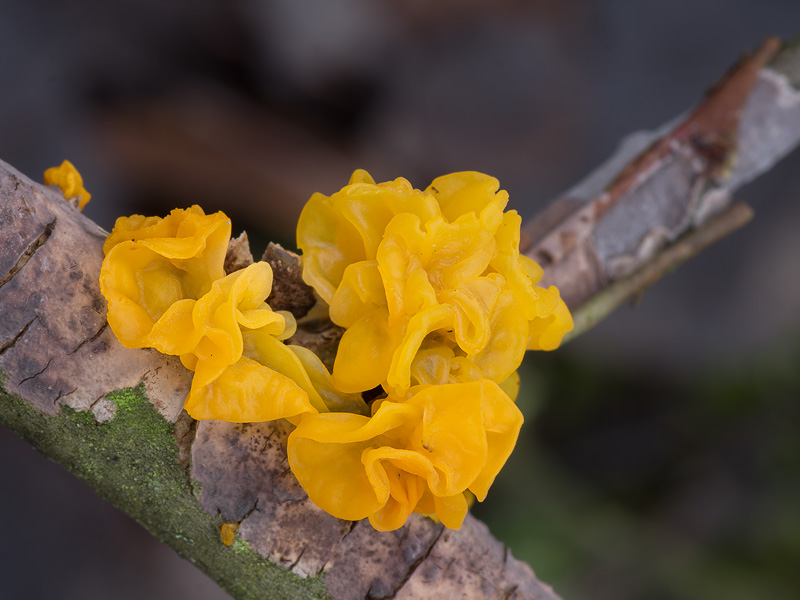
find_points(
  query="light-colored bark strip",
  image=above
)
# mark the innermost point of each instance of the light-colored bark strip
(602, 304)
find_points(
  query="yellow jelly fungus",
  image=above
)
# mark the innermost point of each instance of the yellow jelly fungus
(66, 177)
(408, 271)
(321, 383)
(304, 368)
(154, 266)
(230, 384)
(420, 454)
(166, 289)
(227, 531)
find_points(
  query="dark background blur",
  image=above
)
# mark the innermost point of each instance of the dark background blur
(660, 458)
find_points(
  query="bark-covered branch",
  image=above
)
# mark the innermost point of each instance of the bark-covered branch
(113, 415)
(662, 185)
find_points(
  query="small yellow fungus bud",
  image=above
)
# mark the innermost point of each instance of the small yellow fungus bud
(227, 531)
(420, 454)
(66, 177)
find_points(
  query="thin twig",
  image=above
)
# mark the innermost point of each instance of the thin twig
(689, 245)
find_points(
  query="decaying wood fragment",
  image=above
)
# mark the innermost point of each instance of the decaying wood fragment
(238, 255)
(289, 291)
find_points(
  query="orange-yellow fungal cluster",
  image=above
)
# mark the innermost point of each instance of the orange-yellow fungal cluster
(166, 289)
(429, 284)
(66, 177)
(418, 454)
(438, 308)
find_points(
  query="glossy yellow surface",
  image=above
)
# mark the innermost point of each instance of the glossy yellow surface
(166, 289)
(155, 268)
(418, 454)
(227, 532)
(237, 381)
(66, 177)
(429, 285)
(438, 308)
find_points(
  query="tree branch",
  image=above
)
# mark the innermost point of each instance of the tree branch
(606, 301)
(113, 415)
(659, 186)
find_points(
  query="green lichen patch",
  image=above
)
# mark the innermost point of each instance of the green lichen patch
(132, 461)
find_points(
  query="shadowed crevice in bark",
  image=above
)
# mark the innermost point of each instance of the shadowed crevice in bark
(29, 252)
(91, 339)
(185, 432)
(9, 343)
(411, 569)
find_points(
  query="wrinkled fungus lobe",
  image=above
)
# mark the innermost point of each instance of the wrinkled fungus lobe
(66, 177)
(438, 308)
(421, 454)
(231, 339)
(430, 285)
(166, 289)
(154, 266)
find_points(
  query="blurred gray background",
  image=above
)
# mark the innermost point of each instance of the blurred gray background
(660, 458)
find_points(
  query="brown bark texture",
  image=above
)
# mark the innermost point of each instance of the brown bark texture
(57, 353)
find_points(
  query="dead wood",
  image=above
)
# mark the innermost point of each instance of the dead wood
(113, 415)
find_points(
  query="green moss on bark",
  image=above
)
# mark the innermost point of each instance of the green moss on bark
(132, 462)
